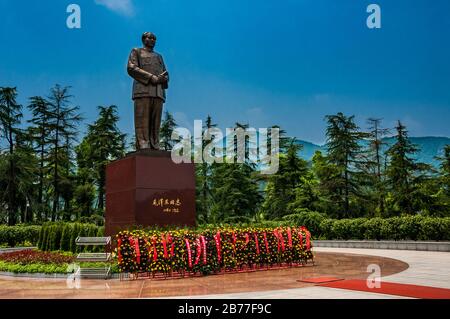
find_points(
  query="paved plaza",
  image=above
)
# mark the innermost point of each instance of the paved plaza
(403, 267)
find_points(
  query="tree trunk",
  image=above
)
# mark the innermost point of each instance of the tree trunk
(12, 186)
(101, 188)
(55, 176)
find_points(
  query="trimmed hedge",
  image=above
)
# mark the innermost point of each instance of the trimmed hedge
(61, 236)
(19, 235)
(395, 228)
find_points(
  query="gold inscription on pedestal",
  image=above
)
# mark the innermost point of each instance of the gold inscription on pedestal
(168, 205)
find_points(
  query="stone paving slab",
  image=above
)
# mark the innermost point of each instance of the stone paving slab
(298, 293)
(425, 268)
(327, 264)
(385, 244)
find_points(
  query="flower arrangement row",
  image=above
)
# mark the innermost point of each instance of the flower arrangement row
(211, 250)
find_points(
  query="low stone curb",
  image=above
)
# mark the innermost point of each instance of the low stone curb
(44, 276)
(33, 275)
(385, 244)
(13, 249)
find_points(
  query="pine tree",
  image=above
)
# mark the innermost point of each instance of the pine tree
(168, 124)
(375, 160)
(39, 132)
(281, 187)
(445, 171)
(63, 129)
(235, 193)
(344, 151)
(403, 173)
(444, 181)
(203, 182)
(10, 117)
(26, 166)
(103, 143)
(84, 198)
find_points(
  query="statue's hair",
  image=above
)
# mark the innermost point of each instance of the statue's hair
(148, 34)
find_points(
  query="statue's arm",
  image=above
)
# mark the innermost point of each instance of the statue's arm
(135, 71)
(166, 82)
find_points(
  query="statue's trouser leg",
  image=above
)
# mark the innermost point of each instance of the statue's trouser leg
(156, 106)
(141, 122)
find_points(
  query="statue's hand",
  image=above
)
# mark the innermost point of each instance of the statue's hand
(163, 79)
(154, 79)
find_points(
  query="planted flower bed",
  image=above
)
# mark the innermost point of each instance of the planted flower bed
(36, 261)
(180, 252)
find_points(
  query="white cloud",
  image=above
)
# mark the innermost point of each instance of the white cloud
(124, 7)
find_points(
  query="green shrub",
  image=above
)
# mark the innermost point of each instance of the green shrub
(387, 229)
(91, 232)
(445, 228)
(65, 237)
(309, 219)
(75, 232)
(326, 229)
(43, 242)
(55, 242)
(62, 236)
(83, 233)
(39, 243)
(410, 227)
(434, 229)
(18, 235)
(100, 233)
(357, 228)
(50, 237)
(342, 229)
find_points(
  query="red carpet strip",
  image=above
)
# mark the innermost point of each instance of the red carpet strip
(319, 280)
(391, 288)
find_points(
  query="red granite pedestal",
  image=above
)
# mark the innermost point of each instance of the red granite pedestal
(147, 188)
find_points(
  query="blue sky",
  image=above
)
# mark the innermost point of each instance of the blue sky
(263, 62)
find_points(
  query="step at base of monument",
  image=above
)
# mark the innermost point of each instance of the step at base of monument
(94, 273)
(94, 257)
(92, 241)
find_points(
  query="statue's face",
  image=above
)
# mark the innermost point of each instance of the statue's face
(149, 41)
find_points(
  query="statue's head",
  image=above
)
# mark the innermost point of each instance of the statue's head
(148, 39)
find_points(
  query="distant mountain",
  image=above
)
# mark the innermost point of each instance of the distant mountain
(308, 150)
(430, 147)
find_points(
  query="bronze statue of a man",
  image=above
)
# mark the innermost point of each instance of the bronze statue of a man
(151, 79)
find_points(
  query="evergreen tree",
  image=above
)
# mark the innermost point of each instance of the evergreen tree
(235, 193)
(26, 165)
(445, 172)
(307, 196)
(103, 144)
(375, 161)
(39, 133)
(281, 187)
(344, 151)
(63, 129)
(10, 117)
(444, 181)
(326, 174)
(203, 182)
(84, 198)
(168, 124)
(403, 173)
